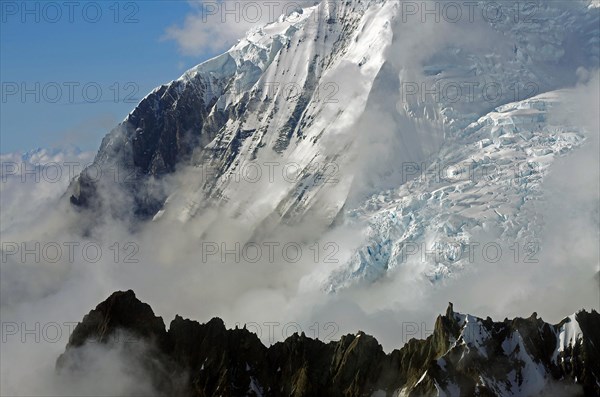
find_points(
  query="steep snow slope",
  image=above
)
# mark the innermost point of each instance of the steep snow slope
(297, 117)
(271, 97)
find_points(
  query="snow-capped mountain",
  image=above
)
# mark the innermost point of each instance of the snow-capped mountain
(321, 117)
(464, 356)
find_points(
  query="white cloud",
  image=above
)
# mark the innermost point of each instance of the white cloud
(213, 26)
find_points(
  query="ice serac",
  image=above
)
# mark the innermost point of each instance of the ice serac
(484, 187)
(465, 355)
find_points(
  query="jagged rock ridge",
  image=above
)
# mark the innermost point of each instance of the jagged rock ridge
(465, 355)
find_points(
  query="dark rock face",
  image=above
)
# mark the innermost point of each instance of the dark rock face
(123, 319)
(464, 355)
(122, 310)
(162, 131)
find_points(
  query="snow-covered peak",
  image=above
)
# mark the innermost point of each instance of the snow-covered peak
(514, 357)
(262, 36)
(324, 90)
(568, 334)
(258, 47)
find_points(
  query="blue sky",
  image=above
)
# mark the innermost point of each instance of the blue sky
(85, 72)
